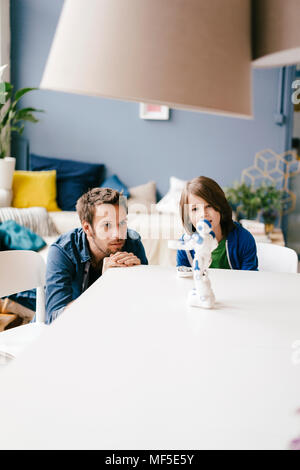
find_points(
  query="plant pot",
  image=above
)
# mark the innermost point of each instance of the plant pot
(269, 228)
(7, 168)
(5, 197)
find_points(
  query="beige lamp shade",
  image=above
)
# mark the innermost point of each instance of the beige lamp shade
(276, 32)
(190, 54)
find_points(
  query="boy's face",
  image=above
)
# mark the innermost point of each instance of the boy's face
(109, 229)
(199, 209)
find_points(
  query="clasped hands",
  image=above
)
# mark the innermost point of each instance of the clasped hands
(121, 259)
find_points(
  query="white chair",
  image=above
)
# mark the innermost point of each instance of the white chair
(276, 258)
(22, 270)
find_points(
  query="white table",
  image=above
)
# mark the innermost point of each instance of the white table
(130, 366)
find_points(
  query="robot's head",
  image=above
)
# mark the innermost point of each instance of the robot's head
(204, 228)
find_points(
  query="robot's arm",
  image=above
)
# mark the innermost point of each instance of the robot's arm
(186, 244)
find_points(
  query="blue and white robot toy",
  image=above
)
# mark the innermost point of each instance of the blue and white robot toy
(203, 242)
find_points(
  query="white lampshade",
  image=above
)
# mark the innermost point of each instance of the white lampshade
(276, 32)
(190, 54)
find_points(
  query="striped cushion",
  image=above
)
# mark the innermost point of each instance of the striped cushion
(34, 218)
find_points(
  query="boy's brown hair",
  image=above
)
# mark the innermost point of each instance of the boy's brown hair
(213, 194)
(86, 204)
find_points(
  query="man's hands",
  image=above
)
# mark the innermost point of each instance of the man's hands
(121, 259)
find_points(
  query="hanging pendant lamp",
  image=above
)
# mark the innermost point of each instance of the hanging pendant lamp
(186, 54)
(276, 32)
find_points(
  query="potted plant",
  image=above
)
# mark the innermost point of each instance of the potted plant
(11, 119)
(271, 204)
(244, 200)
(247, 202)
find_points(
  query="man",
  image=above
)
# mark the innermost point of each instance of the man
(81, 256)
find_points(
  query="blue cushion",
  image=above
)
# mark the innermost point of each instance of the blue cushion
(114, 182)
(16, 237)
(72, 178)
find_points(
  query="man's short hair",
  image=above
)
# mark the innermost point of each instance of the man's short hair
(86, 204)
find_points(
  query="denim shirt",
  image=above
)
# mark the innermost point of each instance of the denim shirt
(68, 265)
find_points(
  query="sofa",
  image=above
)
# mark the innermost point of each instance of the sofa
(154, 227)
(45, 195)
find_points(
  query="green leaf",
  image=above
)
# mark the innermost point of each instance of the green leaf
(15, 128)
(8, 116)
(22, 113)
(250, 200)
(6, 90)
(18, 129)
(30, 110)
(11, 118)
(28, 117)
(22, 92)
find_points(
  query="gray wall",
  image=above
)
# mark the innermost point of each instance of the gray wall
(110, 131)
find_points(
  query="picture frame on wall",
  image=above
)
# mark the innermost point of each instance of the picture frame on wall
(154, 111)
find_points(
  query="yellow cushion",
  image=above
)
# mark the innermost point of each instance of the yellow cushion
(35, 189)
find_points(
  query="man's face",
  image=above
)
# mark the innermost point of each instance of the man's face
(109, 229)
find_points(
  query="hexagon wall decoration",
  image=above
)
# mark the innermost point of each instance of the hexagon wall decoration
(276, 169)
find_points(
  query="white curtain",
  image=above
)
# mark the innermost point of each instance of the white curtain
(5, 38)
